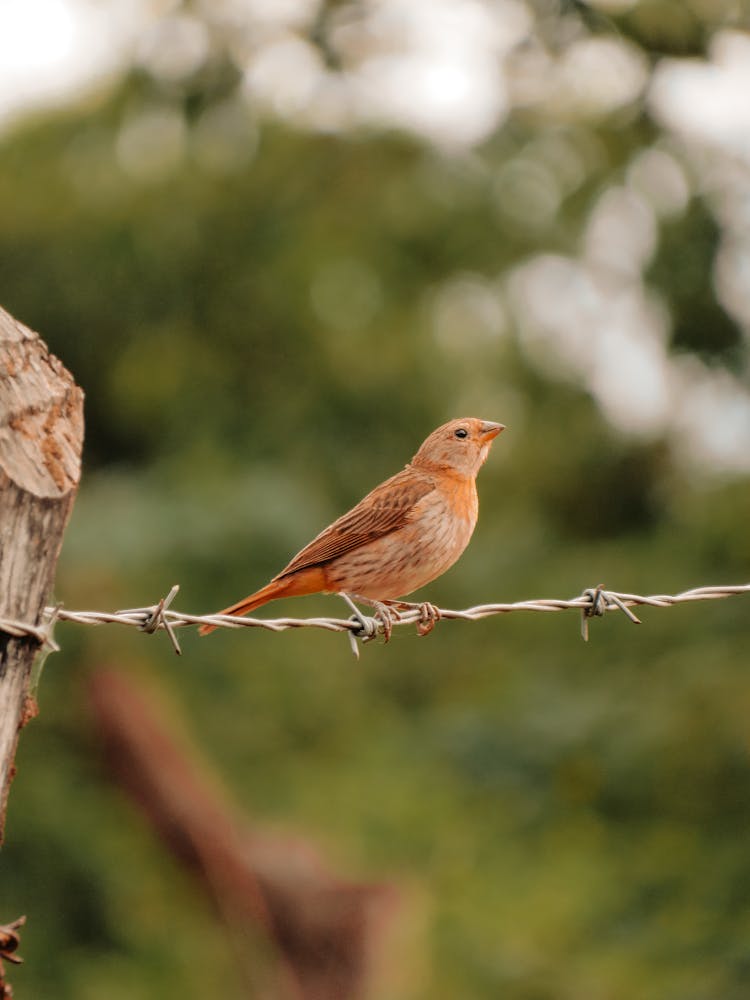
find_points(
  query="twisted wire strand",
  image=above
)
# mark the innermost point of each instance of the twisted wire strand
(593, 602)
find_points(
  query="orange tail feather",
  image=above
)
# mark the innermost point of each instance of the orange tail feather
(307, 581)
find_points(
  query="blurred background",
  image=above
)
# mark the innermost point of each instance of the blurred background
(277, 242)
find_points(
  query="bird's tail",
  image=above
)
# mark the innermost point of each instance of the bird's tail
(308, 581)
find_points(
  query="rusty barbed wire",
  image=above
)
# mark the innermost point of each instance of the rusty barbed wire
(591, 603)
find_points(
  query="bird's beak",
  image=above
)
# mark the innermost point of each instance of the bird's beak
(490, 430)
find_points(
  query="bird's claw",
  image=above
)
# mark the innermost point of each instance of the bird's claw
(388, 616)
(429, 615)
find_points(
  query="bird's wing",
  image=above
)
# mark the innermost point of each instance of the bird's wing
(388, 508)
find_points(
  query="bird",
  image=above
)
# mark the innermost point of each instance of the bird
(405, 533)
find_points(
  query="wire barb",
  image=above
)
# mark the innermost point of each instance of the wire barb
(601, 601)
(42, 633)
(364, 628)
(157, 619)
(10, 939)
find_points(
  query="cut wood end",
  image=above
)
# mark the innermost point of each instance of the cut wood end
(41, 414)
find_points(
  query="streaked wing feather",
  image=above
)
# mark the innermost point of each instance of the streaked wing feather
(387, 508)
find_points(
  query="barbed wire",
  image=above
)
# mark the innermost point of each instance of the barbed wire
(594, 602)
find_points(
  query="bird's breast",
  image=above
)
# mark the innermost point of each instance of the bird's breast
(449, 520)
(438, 531)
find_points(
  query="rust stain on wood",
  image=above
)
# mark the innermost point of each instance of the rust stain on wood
(29, 712)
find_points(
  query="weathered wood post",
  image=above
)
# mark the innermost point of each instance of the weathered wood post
(41, 437)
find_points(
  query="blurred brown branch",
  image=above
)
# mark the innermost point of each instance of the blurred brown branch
(299, 931)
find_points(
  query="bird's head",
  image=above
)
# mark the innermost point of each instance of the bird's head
(459, 446)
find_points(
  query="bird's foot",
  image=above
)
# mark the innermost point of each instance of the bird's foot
(385, 611)
(387, 617)
(429, 615)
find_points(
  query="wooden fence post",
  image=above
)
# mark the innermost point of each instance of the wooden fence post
(41, 437)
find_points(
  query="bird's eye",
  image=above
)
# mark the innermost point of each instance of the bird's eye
(461, 433)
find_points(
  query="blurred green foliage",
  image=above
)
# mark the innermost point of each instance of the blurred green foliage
(257, 350)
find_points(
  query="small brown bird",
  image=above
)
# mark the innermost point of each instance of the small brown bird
(405, 533)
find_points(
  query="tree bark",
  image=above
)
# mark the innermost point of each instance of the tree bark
(41, 438)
